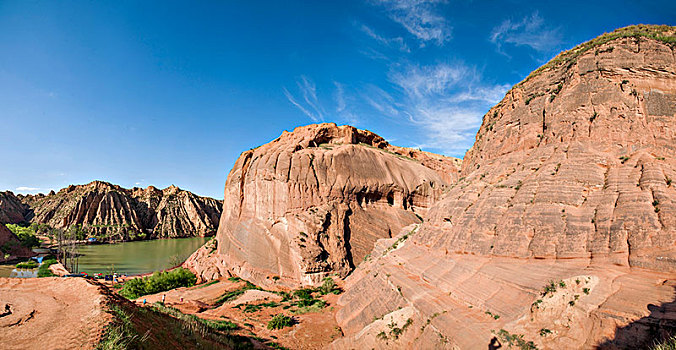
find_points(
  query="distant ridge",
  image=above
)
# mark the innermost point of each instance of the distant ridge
(123, 214)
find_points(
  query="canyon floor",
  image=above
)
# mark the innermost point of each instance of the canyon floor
(311, 330)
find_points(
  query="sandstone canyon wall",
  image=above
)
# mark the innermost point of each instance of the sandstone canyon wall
(570, 181)
(314, 201)
(102, 207)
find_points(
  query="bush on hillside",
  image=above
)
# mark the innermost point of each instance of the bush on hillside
(30, 264)
(44, 271)
(280, 321)
(158, 282)
(25, 234)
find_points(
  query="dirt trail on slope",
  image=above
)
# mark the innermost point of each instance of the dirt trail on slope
(51, 313)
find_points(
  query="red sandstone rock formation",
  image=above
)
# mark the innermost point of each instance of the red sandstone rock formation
(313, 202)
(12, 210)
(570, 180)
(104, 207)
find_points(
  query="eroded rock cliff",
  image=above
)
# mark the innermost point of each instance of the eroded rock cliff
(12, 210)
(314, 201)
(101, 207)
(569, 181)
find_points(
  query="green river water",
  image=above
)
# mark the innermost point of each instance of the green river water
(130, 258)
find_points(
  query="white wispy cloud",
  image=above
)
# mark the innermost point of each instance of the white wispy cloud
(339, 97)
(308, 102)
(420, 18)
(397, 42)
(27, 189)
(380, 100)
(530, 31)
(422, 81)
(446, 101)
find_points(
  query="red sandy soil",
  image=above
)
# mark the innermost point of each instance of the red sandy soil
(312, 330)
(50, 313)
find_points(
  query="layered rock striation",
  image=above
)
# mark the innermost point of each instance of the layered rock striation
(101, 207)
(569, 187)
(314, 201)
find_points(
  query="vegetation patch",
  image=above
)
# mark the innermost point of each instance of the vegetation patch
(206, 325)
(26, 234)
(668, 344)
(232, 295)
(514, 340)
(30, 264)
(158, 282)
(43, 270)
(120, 334)
(280, 321)
(207, 284)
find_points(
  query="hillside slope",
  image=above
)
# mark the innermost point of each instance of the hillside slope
(569, 181)
(103, 208)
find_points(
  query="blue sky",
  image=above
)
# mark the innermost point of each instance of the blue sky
(160, 93)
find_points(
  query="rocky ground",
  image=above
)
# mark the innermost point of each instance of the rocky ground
(312, 330)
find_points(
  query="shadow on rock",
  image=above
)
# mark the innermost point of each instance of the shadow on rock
(647, 331)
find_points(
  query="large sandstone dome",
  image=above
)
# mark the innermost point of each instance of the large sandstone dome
(569, 186)
(314, 201)
(575, 162)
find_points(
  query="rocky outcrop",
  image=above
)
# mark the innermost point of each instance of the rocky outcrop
(314, 201)
(570, 181)
(101, 207)
(12, 210)
(10, 246)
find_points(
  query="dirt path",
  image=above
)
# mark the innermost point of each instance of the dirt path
(50, 313)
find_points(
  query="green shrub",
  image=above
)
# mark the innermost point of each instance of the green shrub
(515, 340)
(667, 344)
(280, 321)
(328, 287)
(158, 282)
(120, 335)
(26, 235)
(44, 271)
(30, 264)
(231, 295)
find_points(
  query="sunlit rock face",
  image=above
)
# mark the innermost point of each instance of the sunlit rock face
(314, 201)
(570, 180)
(103, 207)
